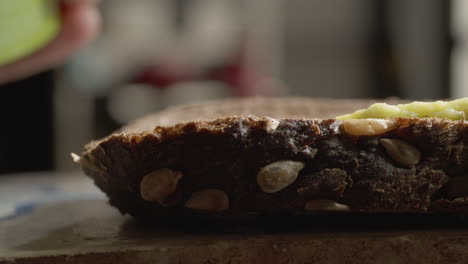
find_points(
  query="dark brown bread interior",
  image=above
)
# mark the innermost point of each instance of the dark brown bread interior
(228, 152)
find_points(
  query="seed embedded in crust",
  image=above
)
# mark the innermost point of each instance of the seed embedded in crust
(211, 200)
(159, 184)
(368, 127)
(75, 157)
(278, 175)
(88, 162)
(401, 151)
(325, 205)
(271, 124)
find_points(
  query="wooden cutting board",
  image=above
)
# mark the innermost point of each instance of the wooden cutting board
(93, 232)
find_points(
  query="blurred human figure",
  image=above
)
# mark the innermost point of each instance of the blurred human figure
(80, 24)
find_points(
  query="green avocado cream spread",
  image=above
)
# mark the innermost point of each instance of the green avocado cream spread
(454, 110)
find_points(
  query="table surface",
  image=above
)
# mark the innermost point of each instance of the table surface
(63, 218)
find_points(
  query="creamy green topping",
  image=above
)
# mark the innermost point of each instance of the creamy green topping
(454, 110)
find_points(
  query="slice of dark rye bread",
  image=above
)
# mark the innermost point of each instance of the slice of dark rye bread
(245, 164)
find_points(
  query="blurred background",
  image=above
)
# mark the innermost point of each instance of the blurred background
(156, 53)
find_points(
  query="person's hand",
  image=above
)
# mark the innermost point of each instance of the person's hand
(80, 24)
